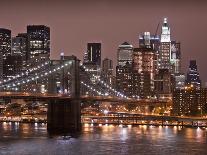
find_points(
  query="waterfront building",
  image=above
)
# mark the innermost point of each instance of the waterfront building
(189, 101)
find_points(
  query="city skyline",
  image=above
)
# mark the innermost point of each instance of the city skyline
(124, 25)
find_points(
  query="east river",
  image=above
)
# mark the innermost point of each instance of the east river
(29, 139)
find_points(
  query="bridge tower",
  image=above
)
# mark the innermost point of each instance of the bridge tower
(64, 115)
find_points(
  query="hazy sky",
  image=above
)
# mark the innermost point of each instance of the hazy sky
(74, 23)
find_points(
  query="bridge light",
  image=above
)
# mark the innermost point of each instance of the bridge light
(106, 112)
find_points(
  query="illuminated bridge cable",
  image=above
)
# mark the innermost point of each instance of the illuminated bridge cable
(35, 77)
(117, 93)
(36, 68)
(92, 88)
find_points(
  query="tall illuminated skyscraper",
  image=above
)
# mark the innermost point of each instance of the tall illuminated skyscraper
(165, 46)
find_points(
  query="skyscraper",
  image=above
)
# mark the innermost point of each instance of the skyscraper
(165, 46)
(39, 43)
(124, 54)
(93, 54)
(193, 75)
(5, 48)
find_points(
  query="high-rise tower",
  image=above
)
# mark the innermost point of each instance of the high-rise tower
(165, 47)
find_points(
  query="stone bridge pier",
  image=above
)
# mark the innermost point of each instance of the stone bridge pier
(64, 115)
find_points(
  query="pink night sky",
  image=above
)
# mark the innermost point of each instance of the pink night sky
(111, 22)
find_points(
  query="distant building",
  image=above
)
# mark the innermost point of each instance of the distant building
(124, 54)
(93, 54)
(193, 77)
(39, 43)
(5, 48)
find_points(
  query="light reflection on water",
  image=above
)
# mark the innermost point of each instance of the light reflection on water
(25, 139)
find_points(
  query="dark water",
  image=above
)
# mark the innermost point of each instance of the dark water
(28, 139)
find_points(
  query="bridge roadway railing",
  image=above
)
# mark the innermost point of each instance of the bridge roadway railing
(136, 119)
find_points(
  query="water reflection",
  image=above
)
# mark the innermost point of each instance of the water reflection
(23, 139)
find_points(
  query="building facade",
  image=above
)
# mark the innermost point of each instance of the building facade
(189, 101)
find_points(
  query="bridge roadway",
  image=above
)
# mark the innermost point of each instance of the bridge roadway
(46, 96)
(134, 116)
